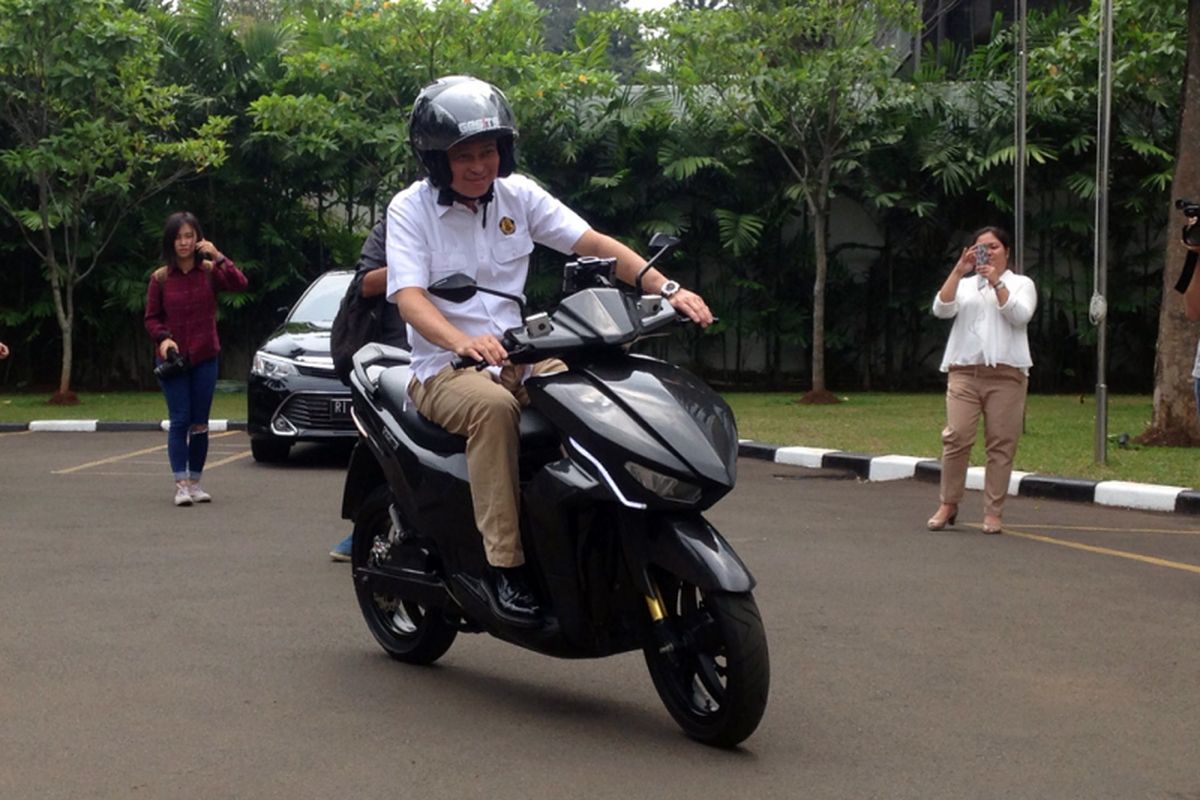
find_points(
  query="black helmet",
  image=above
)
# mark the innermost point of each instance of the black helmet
(452, 110)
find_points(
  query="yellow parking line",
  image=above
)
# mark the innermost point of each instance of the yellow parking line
(16, 433)
(125, 456)
(1107, 551)
(224, 461)
(1093, 529)
(107, 460)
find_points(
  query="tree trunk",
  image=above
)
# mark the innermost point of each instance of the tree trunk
(1174, 420)
(62, 288)
(820, 211)
(818, 337)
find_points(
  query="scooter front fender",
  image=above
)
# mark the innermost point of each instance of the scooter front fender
(688, 547)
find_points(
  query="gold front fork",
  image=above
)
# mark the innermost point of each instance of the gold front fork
(658, 610)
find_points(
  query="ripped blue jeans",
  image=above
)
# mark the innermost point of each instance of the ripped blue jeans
(189, 401)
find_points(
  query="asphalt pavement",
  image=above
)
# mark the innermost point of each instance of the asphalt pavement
(215, 651)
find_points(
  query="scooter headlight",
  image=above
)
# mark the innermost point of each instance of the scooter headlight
(662, 485)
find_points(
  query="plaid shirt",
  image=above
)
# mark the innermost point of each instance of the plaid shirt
(183, 306)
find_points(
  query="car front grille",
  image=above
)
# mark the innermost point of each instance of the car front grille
(316, 372)
(315, 412)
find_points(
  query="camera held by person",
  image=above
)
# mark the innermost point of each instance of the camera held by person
(172, 366)
(1191, 240)
(1191, 231)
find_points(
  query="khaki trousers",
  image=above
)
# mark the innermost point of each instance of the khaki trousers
(471, 403)
(999, 394)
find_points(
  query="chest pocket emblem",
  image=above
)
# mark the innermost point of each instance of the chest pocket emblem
(507, 226)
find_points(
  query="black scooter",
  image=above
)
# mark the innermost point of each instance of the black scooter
(619, 456)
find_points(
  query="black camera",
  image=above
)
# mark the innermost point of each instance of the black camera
(1191, 233)
(172, 366)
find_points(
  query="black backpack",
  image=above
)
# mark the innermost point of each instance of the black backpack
(358, 321)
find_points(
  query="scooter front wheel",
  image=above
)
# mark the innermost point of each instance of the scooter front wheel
(406, 630)
(709, 663)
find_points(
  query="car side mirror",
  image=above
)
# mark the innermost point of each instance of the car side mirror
(456, 288)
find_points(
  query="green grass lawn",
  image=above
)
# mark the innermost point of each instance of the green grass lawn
(1059, 437)
(1059, 434)
(112, 407)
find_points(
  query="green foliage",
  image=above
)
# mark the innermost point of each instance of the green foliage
(283, 125)
(89, 133)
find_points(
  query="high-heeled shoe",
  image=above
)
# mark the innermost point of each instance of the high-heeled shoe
(937, 523)
(992, 525)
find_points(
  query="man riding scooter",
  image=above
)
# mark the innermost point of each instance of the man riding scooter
(474, 215)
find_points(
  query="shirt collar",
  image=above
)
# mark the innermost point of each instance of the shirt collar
(447, 198)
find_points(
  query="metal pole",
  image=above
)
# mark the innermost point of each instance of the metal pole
(1019, 162)
(1019, 139)
(1098, 309)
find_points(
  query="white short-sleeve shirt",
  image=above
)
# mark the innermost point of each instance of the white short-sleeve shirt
(427, 242)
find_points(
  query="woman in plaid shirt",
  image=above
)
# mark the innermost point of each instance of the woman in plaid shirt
(181, 316)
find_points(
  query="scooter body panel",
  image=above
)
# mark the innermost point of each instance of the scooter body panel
(626, 410)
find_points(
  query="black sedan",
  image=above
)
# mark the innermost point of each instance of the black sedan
(292, 393)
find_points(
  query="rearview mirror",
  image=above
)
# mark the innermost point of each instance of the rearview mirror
(663, 240)
(456, 288)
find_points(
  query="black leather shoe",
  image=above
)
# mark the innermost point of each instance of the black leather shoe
(511, 598)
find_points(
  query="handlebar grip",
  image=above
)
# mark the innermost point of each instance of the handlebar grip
(686, 320)
(462, 362)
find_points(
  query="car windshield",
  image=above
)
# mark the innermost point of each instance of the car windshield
(319, 304)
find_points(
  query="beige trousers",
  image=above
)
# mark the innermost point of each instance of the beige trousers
(470, 403)
(999, 394)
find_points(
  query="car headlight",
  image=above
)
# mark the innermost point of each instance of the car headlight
(662, 485)
(268, 366)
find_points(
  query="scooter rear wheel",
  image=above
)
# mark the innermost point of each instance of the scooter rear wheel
(715, 674)
(406, 630)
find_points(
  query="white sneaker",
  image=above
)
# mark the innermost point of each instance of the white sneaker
(183, 497)
(198, 494)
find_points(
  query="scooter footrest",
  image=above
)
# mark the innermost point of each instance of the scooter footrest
(405, 584)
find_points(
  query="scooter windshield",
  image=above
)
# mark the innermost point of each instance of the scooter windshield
(597, 314)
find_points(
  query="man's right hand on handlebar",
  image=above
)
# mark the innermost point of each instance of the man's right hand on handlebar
(486, 348)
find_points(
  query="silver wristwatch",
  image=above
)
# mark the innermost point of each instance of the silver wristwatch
(999, 285)
(669, 288)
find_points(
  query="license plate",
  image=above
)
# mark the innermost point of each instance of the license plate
(339, 408)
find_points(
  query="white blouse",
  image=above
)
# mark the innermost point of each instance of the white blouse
(984, 331)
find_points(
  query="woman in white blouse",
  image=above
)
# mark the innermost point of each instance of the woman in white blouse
(987, 361)
(1191, 303)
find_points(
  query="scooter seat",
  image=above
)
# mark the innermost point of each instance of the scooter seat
(535, 430)
(429, 435)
